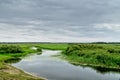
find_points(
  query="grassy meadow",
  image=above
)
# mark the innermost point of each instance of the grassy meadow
(54, 46)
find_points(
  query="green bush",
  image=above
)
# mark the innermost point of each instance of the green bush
(39, 49)
(10, 49)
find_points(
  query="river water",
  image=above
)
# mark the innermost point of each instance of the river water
(54, 68)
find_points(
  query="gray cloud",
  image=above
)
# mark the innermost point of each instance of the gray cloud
(59, 20)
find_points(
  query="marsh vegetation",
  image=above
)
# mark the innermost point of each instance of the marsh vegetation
(104, 55)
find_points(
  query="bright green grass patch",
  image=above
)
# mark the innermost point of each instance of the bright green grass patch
(55, 46)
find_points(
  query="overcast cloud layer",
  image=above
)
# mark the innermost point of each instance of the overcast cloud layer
(59, 20)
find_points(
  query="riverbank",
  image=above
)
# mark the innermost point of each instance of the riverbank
(94, 55)
(14, 52)
(12, 73)
(99, 67)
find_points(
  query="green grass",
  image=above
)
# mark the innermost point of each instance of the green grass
(106, 55)
(54, 46)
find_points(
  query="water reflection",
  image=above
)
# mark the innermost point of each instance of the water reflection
(39, 53)
(13, 60)
(100, 69)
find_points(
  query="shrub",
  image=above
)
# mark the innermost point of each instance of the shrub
(10, 49)
(39, 49)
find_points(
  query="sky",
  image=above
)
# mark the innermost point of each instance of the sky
(59, 20)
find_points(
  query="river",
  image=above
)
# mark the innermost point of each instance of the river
(54, 68)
